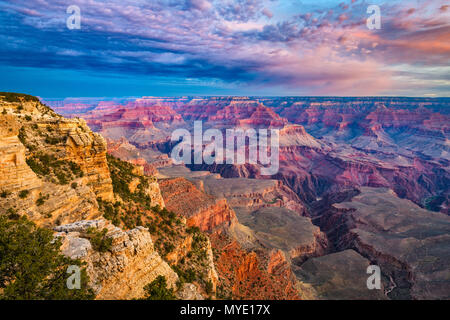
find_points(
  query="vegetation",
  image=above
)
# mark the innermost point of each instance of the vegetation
(99, 241)
(12, 214)
(167, 229)
(17, 97)
(54, 140)
(23, 194)
(121, 175)
(4, 194)
(22, 136)
(41, 200)
(157, 290)
(31, 266)
(46, 166)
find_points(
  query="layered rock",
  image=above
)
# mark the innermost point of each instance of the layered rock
(88, 150)
(282, 229)
(406, 241)
(34, 135)
(338, 276)
(201, 210)
(14, 171)
(125, 269)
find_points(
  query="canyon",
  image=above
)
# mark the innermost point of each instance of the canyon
(333, 151)
(361, 181)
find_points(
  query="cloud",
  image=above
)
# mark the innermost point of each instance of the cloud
(202, 5)
(320, 49)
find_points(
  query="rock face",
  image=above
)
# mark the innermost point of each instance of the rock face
(53, 169)
(326, 144)
(282, 229)
(14, 171)
(252, 274)
(407, 242)
(124, 270)
(240, 270)
(334, 152)
(89, 151)
(189, 292)
(339, 276)
(199, 209)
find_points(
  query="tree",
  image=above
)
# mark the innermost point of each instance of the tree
(31, 265)
(157, 290)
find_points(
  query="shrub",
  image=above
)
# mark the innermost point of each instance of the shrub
(41, 200)
(74, 185)
(17, 97)
(12, 214)
(23, 194)
(4, 194)
(62, 179)
(37, 167)
(157, 290)
(22, 136)
(53, 140)
(28, 118)
(209, 287)
(99, 241)
(32, 267)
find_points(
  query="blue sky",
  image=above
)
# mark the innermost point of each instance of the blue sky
(224, 47)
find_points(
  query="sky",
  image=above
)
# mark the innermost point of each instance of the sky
(225, 47)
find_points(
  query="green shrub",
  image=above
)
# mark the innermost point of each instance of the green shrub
(12, 214)
(209, 287)
(74, 185)
(32, 267)
(62, 179)
(22, 136)
(17, 97)
(23, 194)
(41, 200)
(53, 140)
(157, 290)
(28, 118)
(37, 167)
(99, 241)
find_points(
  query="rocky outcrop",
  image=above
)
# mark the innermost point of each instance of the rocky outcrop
(53, 169)
(14, 171)
(338, 276)
(189, 292)
(282, 229)
(199, 209)
(255, 274)
(406, 241)
(89, 151)
(125, 269)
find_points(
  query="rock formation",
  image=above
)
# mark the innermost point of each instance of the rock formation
(122, 272)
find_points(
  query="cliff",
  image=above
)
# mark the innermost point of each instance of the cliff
(123, 271)
(201, 210)
(56, 172)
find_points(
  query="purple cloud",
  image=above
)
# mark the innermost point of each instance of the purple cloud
(327, 50)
